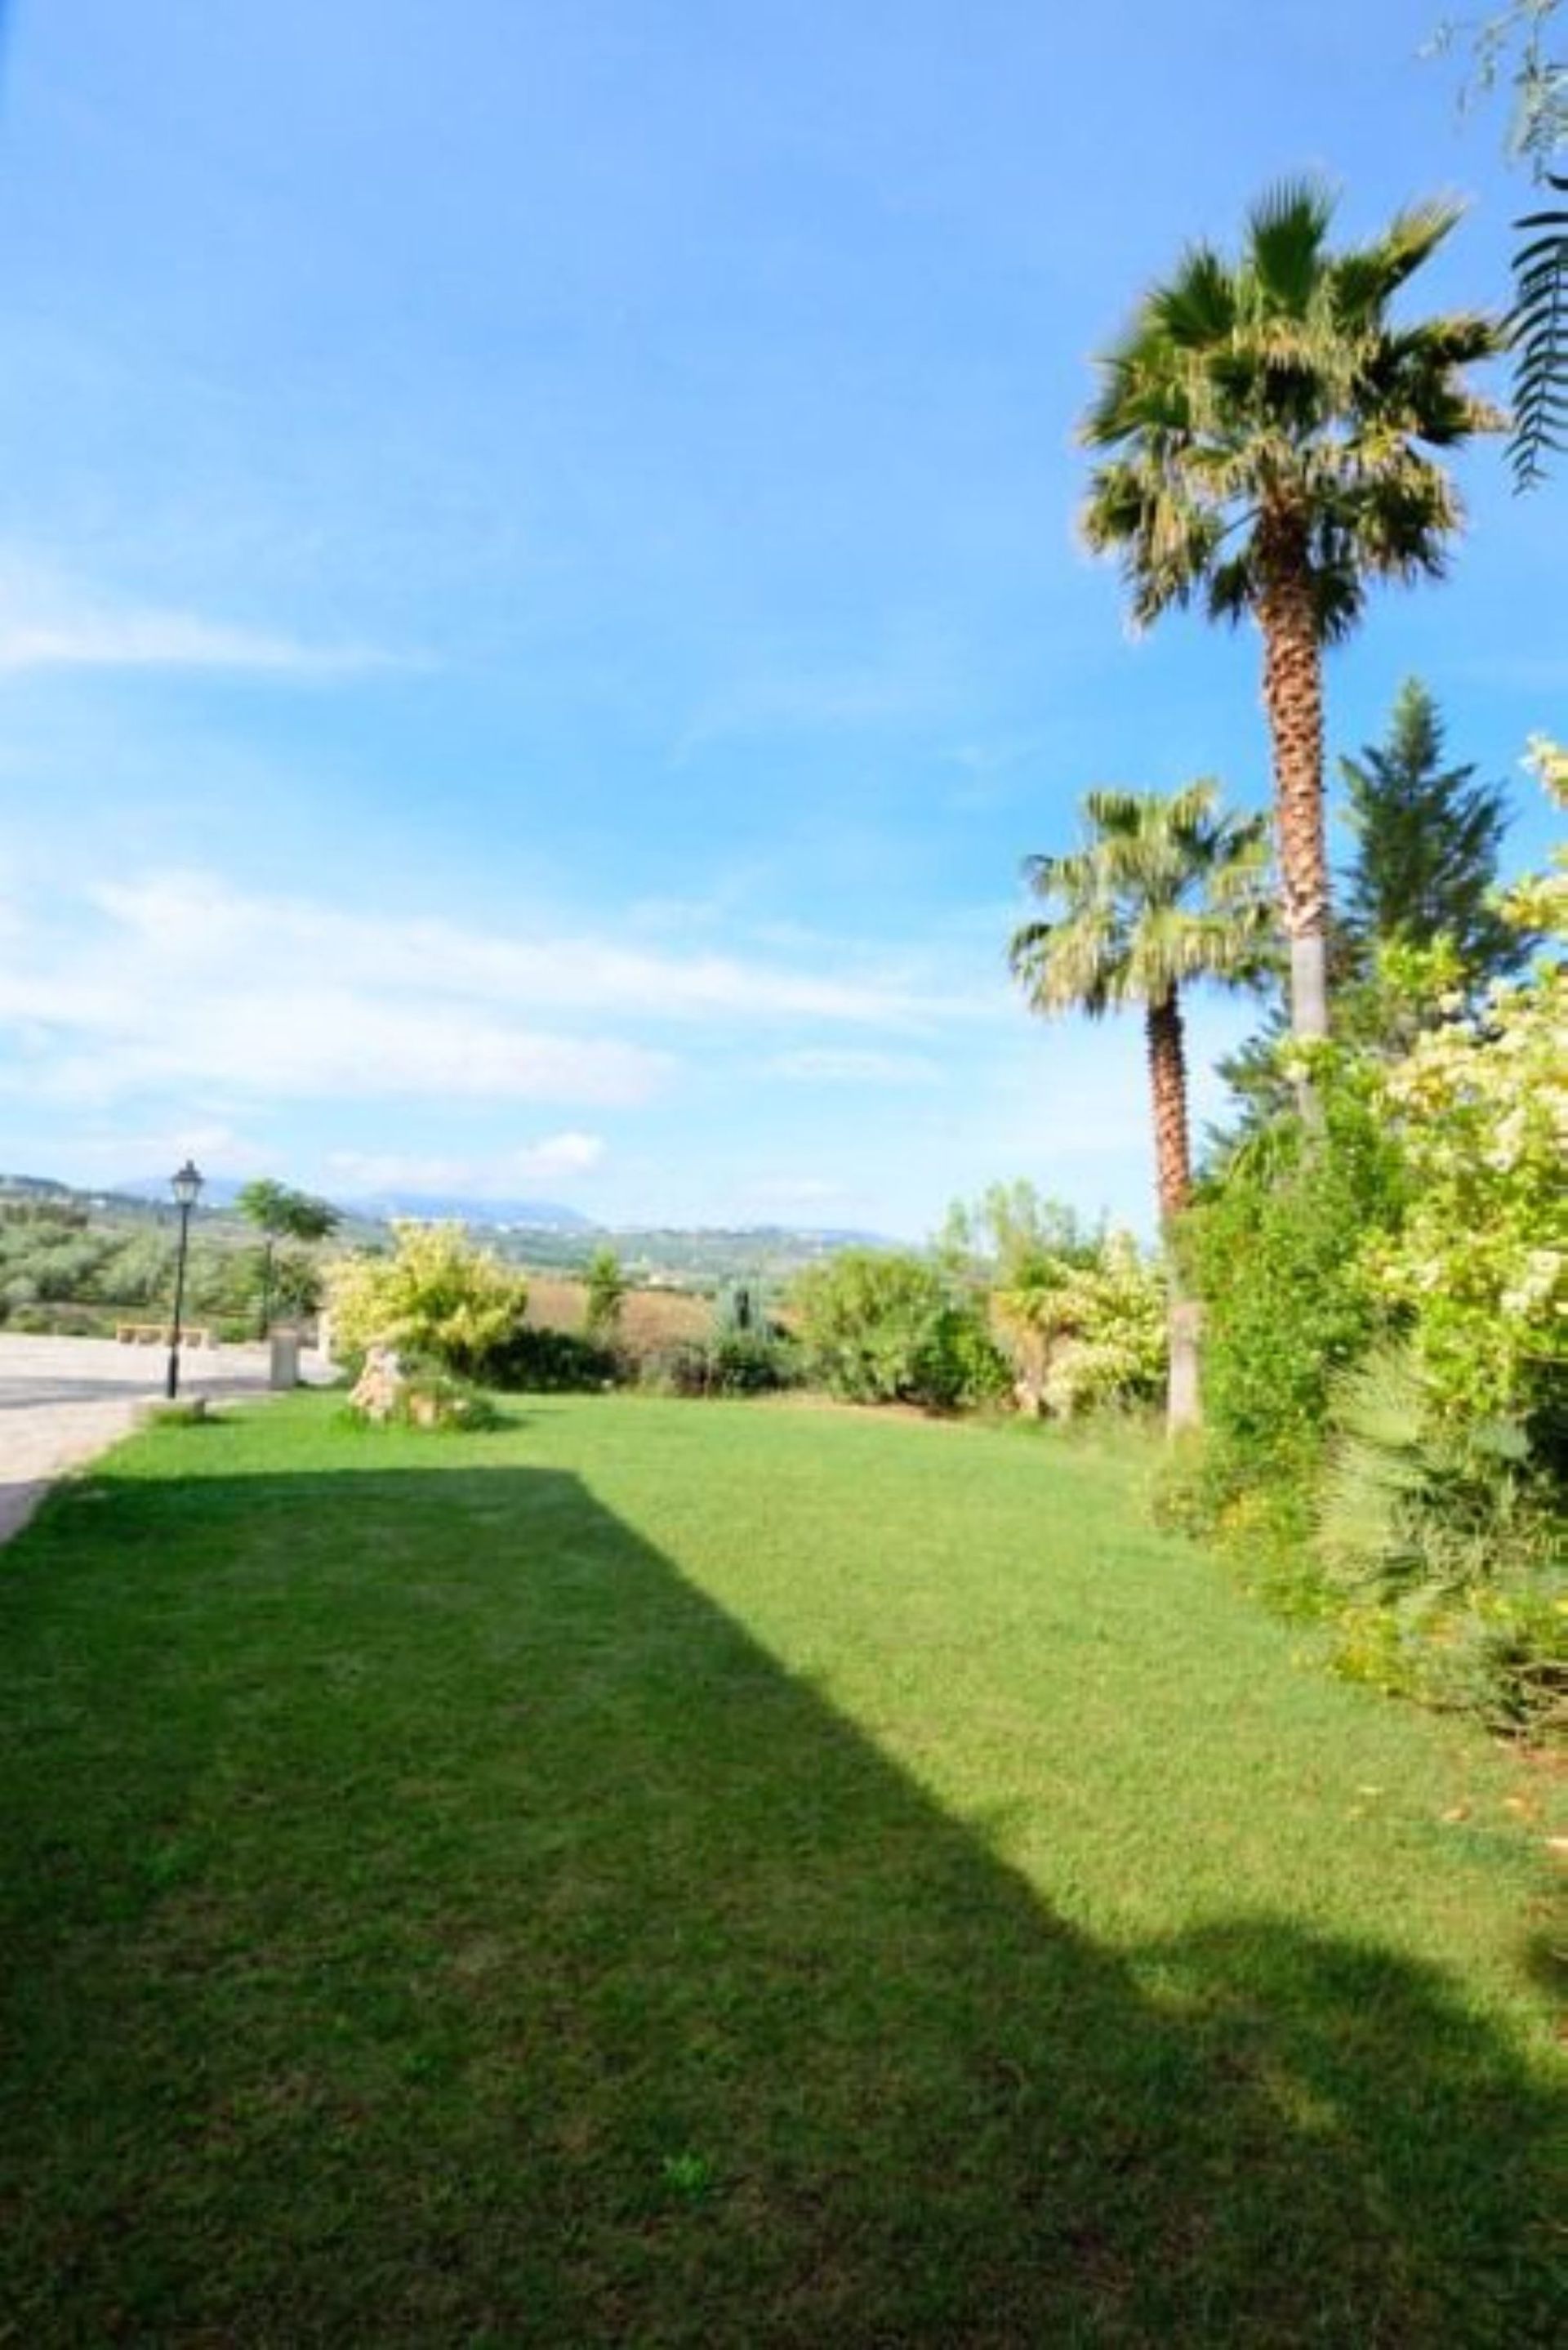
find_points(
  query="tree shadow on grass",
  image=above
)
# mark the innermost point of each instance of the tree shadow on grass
(431, 1919)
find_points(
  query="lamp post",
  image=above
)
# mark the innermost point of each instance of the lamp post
(186, 1187)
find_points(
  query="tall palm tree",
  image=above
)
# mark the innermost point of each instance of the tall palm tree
(1269, 425)
(1163, 891)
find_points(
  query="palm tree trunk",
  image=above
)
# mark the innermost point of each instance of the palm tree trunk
(1293, 698)
(1168, 1085)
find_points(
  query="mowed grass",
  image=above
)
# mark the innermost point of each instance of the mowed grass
(735, 1874)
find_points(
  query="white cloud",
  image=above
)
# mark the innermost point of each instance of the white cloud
(299, 1043)
(194, 918)
(181, 987)
(135, 1156)
(825, 1067)
(45, 624)
(557, 1156)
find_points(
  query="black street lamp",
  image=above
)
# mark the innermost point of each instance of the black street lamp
(186, 1187)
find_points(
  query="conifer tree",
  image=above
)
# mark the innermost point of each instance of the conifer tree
(1425, 865)
(605, 1283)
(1426, 842)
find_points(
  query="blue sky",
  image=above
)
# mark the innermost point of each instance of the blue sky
(539, 608)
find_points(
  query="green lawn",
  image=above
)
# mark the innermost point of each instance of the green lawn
(739, 1876)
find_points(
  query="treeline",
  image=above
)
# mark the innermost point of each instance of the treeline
(1017, 1303)
(60, 1271)
(1368, 1273)
(1380, 1243)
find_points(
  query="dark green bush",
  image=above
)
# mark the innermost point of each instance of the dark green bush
(751, 1362)
(735, 1363)
(679, 1369)
(1499, 1652)
(884, 1325)
(550, 1362)
(1274, 1247)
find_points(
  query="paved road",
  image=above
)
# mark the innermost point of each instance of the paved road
(63, 1400)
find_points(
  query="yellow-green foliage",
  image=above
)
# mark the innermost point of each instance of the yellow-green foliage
(1086, 1334)
(1422, 1331)
(1480, 1265)
(436, 1294)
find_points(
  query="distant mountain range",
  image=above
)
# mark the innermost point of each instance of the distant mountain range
(519, 1217)
(221, 1191)
(531, 1215)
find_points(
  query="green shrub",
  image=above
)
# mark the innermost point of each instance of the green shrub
(677, 1369)
(1412, 1500)
(1500, 1653)
(734, 1363)
(751, 1362)
(1387, 1372)
(888, 1327)
(550, 1362)
(1478, 1268)
(1274, 1246)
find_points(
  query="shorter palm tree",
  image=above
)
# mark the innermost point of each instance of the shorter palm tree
(1163, 891)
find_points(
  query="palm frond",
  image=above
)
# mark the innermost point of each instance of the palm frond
(1073, 964)
(1538, 333)
(1136, 510)
(1398, 518)
(1281, 377)
(1162, 890)
(1198, 307)
(1284, 246)
(1411, 237)
(1233, 587)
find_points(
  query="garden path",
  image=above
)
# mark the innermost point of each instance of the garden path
(64, 1399)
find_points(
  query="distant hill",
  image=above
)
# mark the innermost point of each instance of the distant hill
(42, 1190)
(431, 1207)
(524, 1215)
(217, 1190)
(541, 1234)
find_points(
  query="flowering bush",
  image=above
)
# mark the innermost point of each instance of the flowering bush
(1386, 1361)
(1086, 1337)
(436, 1295)
(1479, 1265)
